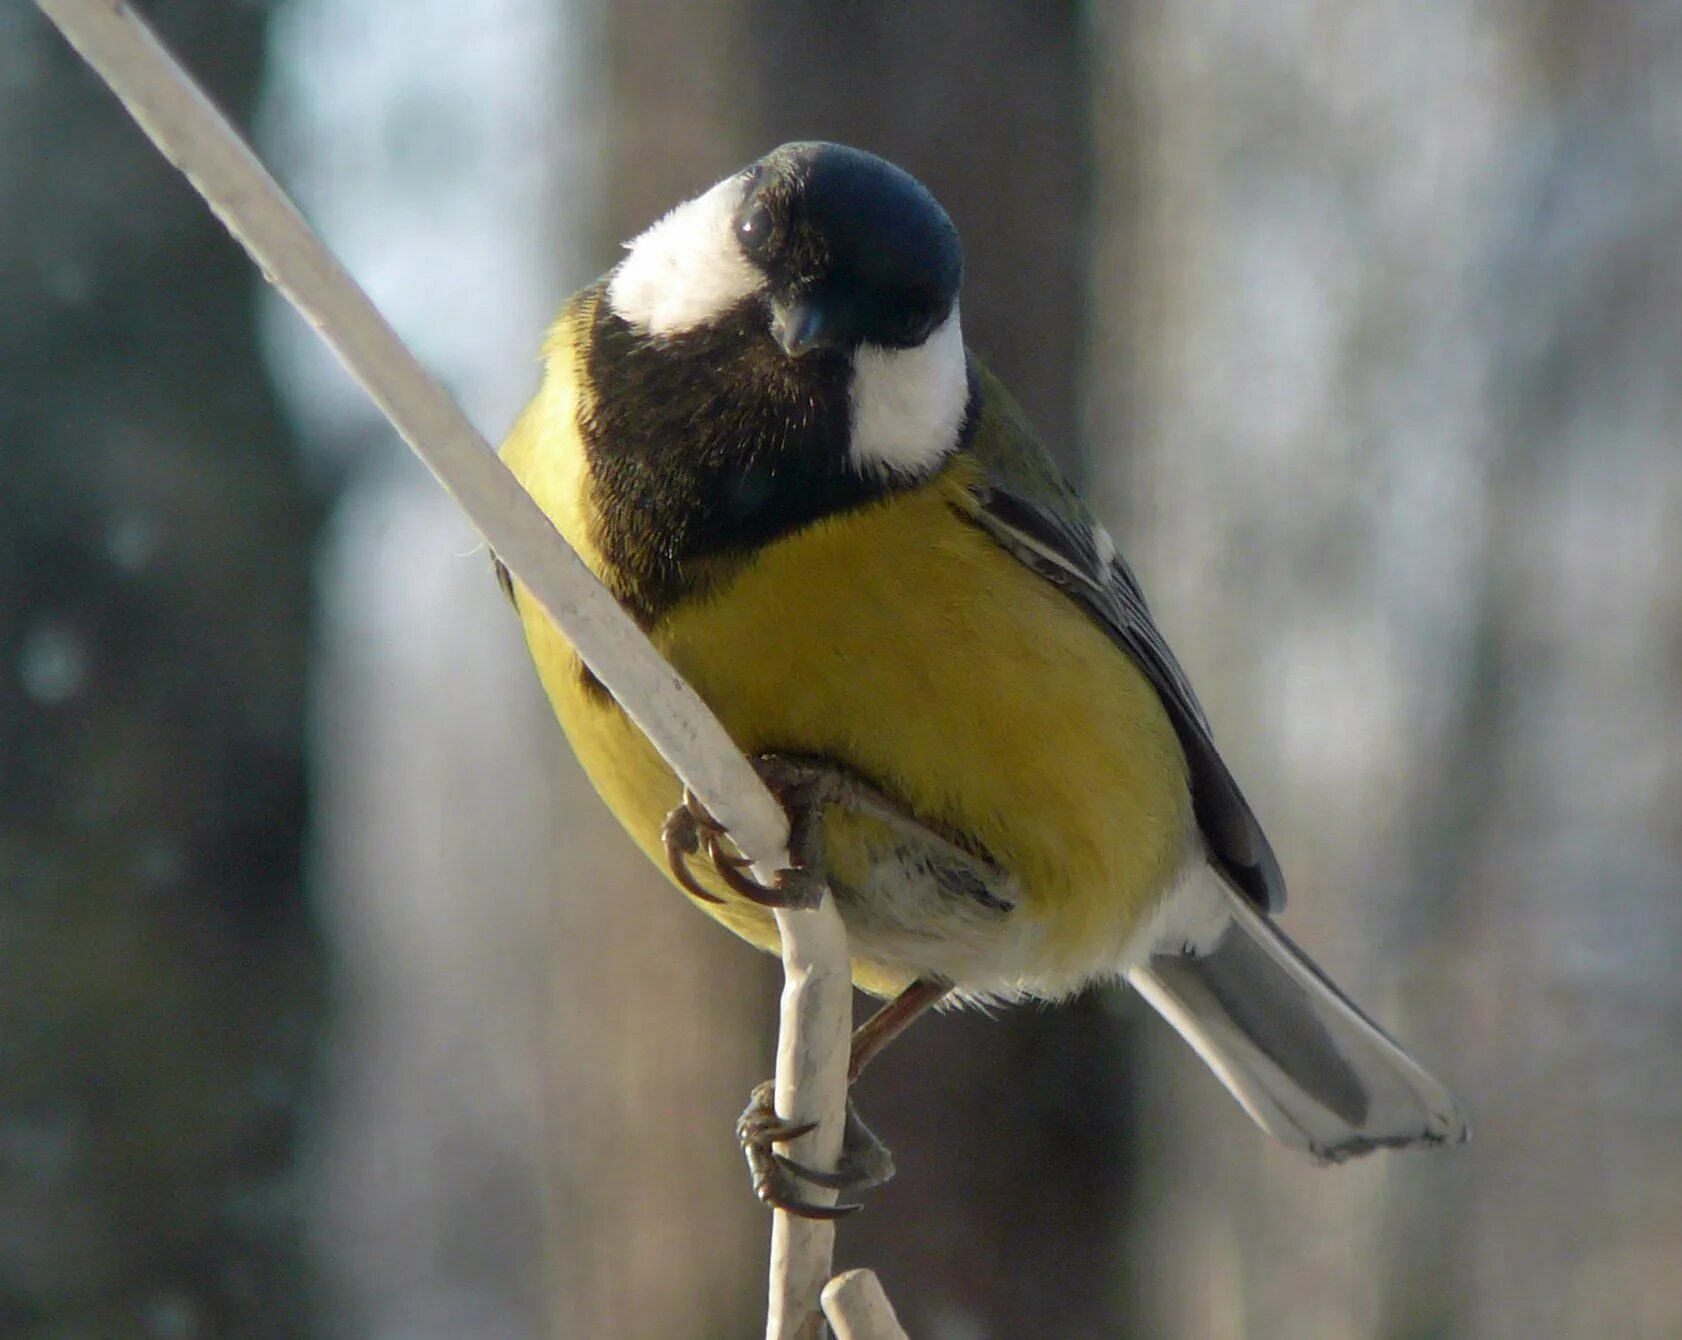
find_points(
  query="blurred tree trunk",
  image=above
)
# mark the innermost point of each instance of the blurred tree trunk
(1390, 298)
(160, 981)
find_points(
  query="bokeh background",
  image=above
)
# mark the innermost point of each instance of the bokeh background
(333, 1004)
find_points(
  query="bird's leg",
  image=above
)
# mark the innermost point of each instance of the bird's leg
(872, 1036)
(865, 1161)
(806, 787)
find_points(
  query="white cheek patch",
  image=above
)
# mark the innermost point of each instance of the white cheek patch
(908, 404)
(686, 269)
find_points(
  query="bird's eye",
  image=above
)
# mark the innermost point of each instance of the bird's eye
(754, 228)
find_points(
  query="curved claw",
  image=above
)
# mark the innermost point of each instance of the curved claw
(839, 1180)
(689, 830)
(682, 840)
(750, 1129)
(777, 1188)
(798, 890)
(865, 1161)
(807, 1209)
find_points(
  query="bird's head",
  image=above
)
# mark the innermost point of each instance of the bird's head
(844, 261)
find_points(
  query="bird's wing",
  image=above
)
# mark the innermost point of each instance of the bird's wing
(1023, 502)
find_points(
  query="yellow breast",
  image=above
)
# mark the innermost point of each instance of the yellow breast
(903, 642)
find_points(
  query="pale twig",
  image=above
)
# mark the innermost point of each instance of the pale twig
(858, 1309)
(192, 134)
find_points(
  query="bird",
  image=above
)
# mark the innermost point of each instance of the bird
(764, 433)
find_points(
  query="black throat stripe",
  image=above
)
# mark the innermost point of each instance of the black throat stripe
(705, 446)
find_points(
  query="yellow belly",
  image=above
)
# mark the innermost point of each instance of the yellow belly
(905, 644)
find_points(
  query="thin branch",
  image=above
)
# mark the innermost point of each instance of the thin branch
(858, 1309)
(192, 134)
(812, 1045)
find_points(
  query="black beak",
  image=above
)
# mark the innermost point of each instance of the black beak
(801, 327)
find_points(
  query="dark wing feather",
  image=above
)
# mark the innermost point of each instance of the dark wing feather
(1024, 504)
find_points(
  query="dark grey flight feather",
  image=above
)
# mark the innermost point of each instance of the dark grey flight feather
(1060, 543)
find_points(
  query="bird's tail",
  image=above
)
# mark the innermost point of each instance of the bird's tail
(1302, 1059)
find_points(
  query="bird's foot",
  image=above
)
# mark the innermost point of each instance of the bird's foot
(690, 830)
(865, 1161)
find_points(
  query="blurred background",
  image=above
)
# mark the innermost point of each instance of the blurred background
(332, 1003)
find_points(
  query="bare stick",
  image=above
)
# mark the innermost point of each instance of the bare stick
(858, 1309)
(192, 134)
(813, 1042)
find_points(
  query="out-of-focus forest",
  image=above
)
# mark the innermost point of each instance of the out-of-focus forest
(333, 1004)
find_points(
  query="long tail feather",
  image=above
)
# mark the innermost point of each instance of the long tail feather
(1301, 1058)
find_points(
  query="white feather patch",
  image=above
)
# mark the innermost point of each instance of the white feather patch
(908, 404)
(686, 269)
(1190, 920)
(1105, 547)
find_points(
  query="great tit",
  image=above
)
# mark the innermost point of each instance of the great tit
(763, 432)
